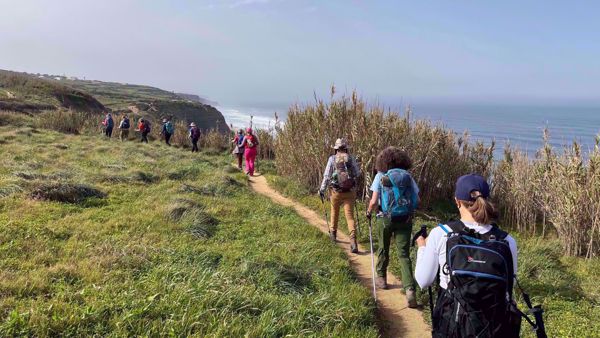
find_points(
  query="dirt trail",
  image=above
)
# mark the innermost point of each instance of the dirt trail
(399, 320)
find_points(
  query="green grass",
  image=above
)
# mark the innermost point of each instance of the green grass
(172, 246)
(566, 286)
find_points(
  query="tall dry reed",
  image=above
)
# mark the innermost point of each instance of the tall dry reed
(558, 191)
(439, 156)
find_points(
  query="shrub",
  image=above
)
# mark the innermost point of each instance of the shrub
(64, 121)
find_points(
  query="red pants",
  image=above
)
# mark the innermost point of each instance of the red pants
(250, 155)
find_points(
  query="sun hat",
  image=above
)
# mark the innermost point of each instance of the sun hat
(340, 143)
(467, 185)
(192, 124)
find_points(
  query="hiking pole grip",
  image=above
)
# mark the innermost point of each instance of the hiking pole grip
(540, 328)
(421, 233)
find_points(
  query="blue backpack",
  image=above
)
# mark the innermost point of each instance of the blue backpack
(396, 194)
(169, 127)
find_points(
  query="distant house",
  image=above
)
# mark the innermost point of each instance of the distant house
(58, 78)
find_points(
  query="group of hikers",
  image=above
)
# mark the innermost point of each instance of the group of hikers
(245, 143)
(473, 261)
(144, 127)
(245, 146)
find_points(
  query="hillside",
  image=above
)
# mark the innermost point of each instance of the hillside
(103, 238)
(151, 100)
(30, 93)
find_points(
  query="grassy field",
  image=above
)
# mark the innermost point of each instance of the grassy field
(566, 286)
(105, 238)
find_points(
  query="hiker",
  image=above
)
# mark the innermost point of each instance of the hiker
(167, 130)
(108, 124)
(394, 197)
(144, 129)
(250, 144)
(472, 244)
(238, 147)
(340, 178)
(194, 136)
(124, 126)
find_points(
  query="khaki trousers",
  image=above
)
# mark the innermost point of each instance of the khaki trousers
(345, 199)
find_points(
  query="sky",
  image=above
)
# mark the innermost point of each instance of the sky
(276, 52)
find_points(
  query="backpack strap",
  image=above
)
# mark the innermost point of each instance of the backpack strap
(446, 228)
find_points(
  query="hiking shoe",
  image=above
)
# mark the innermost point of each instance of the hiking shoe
(381, 283)
(411, 298)
(333, 235)
(353, 246)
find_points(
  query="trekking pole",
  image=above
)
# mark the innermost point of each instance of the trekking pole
(357, 218)
(372, 259)
(423, 233)
(325, 211)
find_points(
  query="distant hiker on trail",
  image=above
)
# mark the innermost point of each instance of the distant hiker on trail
(340, 178)
(167, 130)
(108, 124)
(194, 136)
(250, 144)
(394, 197)
(476, 262)
(124, 128)
(144, 129)
(238, 147)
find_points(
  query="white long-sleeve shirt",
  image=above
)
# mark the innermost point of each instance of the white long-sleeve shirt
(431, 258)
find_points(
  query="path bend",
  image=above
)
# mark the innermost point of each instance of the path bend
(398, 319)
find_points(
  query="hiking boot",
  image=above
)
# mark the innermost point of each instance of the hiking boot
(333, 235)
(381, 283)
(353, 246)
(411, 298)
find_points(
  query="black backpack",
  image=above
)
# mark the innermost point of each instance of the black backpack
(479, 299)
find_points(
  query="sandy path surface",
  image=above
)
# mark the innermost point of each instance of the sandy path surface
(399, 320)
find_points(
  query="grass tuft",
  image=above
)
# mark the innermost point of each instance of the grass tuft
(65, 192)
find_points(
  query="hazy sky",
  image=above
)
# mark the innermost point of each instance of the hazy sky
(249, 52)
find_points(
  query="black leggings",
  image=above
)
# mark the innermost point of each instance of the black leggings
(108, 131)
(145, 136)
(168, 138)
(194, 145)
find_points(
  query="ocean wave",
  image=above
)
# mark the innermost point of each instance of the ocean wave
(241, 119)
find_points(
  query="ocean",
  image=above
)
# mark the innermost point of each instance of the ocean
(520, 125)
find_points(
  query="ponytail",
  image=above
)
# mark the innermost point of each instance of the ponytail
(482, 210)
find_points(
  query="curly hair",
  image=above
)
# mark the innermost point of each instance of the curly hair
(392, 158)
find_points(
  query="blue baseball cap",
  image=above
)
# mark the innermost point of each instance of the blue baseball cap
(466, 184)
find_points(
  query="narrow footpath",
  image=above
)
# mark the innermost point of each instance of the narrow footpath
(398, 319)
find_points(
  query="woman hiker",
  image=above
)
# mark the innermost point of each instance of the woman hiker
(109, 124)
(194, 136)
(144, 129)
(250, 144)
(238, 147)
(124, 126)
(394, 198)
(340, 178)
(167, 130)
(476, 216)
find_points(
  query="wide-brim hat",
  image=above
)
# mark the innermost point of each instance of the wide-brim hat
(340, 143)
(192, 124)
